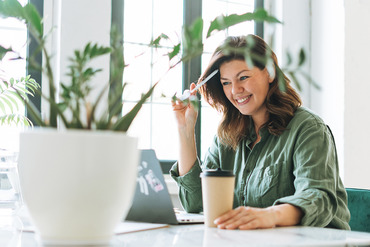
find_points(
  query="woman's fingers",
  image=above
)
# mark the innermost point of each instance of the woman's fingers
(234, 218)
(192, 86)
(245, 218)
(227, 216)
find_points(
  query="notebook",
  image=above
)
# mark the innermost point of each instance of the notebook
(152, 202)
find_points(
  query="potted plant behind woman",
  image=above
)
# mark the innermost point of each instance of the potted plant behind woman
(78, 171)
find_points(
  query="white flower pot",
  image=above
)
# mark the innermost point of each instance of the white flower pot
(77, 184)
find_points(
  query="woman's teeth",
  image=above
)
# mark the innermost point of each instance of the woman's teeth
(243, 99)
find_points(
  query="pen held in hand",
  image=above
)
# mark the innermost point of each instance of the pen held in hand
(187, 93)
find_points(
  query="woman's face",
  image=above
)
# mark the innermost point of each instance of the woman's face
(245, 88)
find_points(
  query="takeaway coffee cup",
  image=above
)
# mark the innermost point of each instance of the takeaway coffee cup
(217, 194)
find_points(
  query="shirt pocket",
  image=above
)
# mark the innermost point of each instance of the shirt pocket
(269, 179)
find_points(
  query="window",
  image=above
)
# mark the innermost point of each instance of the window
(155, 125)
(13, 34)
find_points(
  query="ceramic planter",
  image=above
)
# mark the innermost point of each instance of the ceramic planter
(77, 184)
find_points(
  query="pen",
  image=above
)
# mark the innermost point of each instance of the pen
(187, 93)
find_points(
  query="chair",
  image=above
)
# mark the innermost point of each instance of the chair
(359, 207)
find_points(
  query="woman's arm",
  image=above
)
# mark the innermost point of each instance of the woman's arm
(186, 117)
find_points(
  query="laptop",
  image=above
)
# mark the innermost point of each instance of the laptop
(152, 202)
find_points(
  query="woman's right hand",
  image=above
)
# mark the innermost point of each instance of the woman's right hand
(185, 113)
(186, 117)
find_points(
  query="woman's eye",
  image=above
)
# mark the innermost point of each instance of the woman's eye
(244, 78)
(225, 83)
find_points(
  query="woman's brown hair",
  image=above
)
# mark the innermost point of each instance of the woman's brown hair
(280, 104)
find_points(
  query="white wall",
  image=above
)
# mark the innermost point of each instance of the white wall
(336, 34)
(327, 67)
(356, 94)
(317, 26)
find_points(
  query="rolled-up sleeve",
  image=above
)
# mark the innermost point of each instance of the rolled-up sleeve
(190, 188)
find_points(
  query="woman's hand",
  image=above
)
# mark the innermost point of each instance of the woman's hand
(186, 117)
(185, 113)
(245, 218)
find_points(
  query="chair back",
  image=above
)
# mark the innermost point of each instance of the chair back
(359, 207)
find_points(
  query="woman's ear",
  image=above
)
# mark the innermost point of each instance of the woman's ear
(271, 71)
(271, 74)
(271, 79)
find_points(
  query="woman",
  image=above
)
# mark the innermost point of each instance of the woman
(283, 155)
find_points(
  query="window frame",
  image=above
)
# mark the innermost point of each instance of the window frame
(31, 49)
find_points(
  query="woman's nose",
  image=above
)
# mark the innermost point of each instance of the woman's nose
(236, 88)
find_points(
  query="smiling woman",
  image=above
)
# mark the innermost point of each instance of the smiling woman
(283, 155)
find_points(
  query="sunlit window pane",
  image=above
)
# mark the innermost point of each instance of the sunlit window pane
(137, 74)
(141, 126)
(13, 35)
(138, 21)
(164, 139)
(144, 21)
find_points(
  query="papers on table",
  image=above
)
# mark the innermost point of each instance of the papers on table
(131, 226)
(122, 228)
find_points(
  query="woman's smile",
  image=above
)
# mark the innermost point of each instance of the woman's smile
(243, 100)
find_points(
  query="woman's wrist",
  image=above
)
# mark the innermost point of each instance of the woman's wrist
(286, 214)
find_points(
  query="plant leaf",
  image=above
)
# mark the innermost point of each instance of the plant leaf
(192, 40)
(33, 18)
(302, 57)
(155, 43)
(223, 22)
(2, 107)
(295, 80)
(11, 8)
(4, 51)
(16, 119)
(124, 123)
(281, 79)
(310, 80)
(175, 51)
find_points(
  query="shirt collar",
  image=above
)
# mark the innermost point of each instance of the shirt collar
(264, 133)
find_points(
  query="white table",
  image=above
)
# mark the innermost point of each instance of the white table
(199, 235)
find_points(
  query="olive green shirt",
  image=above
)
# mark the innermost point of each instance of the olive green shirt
(299, 167)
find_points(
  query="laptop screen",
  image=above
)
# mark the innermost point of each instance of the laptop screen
(152, 202)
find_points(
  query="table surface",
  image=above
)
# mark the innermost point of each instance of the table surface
(199, 235)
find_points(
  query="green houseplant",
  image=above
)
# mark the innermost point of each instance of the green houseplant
(60, 169)
(12, 95)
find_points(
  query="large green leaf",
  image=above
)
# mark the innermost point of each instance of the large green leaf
(192, 39)
(223, 22)
(28, 13)
(124, 123)
(34, 19)
(11, 8)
